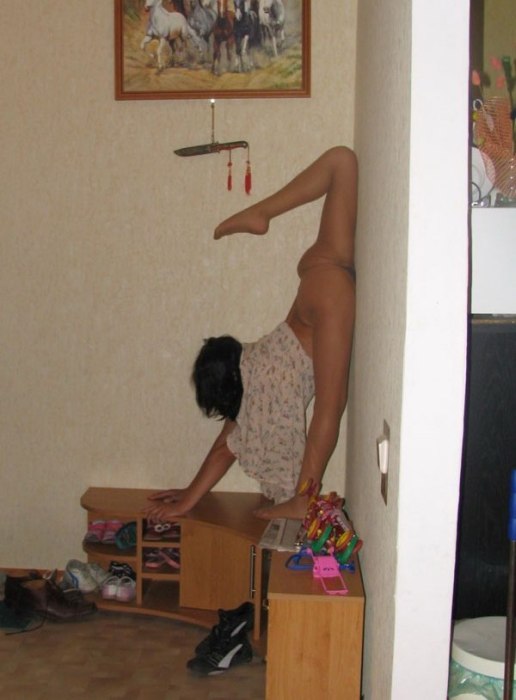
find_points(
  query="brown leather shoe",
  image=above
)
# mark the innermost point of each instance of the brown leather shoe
(44, 597)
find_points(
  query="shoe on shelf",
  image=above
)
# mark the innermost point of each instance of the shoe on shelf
(110, 532)
(161, 531)
(172, 557)
(110, 587)
(152, 559)
(231, 623)
(119, 569)
(229, 651)
(158, 558)
(126, 590)
(122, 589)
(125, 537)
(95, 532)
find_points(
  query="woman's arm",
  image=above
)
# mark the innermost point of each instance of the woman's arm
(174, 502)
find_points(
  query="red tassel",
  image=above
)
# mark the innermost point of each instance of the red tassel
(230, 176)
(248, 181)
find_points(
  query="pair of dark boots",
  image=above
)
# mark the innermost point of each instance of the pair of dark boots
(227, 644)
(41, 596)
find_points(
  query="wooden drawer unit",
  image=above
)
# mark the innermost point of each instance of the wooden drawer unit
(314, 640)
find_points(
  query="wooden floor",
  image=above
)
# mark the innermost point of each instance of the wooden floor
(117, 656)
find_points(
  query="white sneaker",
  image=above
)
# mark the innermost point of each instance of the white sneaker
(97, 573)
(122, 589)
(78, 575)
(126, 590)
(110, 588)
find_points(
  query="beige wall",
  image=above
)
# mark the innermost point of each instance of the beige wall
(110, 279)
(410, 342)
(383, 64)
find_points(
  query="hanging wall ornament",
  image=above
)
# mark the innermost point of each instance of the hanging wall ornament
(248, 181)
(215, 147)
(230, 174)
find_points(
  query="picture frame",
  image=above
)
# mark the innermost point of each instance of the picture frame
(166, 49)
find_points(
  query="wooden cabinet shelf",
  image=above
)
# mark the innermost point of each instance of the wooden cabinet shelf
(163, 544)
(109, 551)
(161, 576)
(220, 561)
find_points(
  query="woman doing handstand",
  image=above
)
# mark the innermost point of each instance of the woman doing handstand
(262, 389)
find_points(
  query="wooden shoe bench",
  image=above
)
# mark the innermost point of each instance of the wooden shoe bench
(314, 640)
(221, 563)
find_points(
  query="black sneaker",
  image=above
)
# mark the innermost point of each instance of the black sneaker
(231, 622)
(121, 570)
(229, 651)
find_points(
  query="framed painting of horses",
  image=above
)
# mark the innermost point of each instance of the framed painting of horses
(187, 49)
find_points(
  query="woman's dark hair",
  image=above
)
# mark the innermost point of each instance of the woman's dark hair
(217, 379)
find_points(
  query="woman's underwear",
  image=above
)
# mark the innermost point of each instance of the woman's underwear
(270, 432)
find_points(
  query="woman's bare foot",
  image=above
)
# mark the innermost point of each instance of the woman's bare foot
(250, 220)
(295, 508)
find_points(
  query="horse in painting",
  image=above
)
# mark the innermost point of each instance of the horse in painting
(168, 28)
(234, 27)
(271, 14)
(202, 18)
(246, 31)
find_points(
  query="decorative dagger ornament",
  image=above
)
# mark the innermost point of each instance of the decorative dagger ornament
(216, 147)
(213, 147)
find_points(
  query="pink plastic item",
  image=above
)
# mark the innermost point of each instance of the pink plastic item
(326, 569)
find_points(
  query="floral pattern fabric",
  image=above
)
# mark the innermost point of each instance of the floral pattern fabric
(270, 432)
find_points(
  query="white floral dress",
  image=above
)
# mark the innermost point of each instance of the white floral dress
(270, 432)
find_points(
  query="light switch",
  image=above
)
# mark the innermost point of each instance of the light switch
(382, 445)
(382, 451)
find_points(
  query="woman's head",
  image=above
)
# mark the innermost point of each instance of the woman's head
(217, 379)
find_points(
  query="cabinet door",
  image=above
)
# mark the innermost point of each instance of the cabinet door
(314, 648)
(216, 567)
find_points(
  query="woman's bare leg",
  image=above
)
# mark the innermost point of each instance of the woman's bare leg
(325, 302)
(333, 174)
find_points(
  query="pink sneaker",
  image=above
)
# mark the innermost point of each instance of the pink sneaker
(110, 588)
(109, 535)
(126, 590)
(95, 532)
(122, 589)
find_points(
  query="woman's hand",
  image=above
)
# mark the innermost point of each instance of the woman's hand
(168, 496)
(170, 505)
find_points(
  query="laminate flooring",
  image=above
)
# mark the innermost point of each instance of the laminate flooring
(117, 656)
